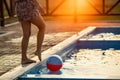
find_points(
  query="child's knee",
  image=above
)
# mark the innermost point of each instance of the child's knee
(42, 26)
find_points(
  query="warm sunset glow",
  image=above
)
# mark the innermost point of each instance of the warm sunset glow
(81, 3)
(81, 7)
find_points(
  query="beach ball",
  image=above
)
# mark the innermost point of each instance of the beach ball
(54, 63)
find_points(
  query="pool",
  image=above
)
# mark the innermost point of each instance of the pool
(91, 54)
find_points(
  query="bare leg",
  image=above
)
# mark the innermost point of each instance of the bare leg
(39, 22)
(26, 27)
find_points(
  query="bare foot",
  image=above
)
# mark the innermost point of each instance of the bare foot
(38, 54)
(28, 61)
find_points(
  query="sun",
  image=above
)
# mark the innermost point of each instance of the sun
(78, 4)
(71, 7)
(81, 3)
(82, 7)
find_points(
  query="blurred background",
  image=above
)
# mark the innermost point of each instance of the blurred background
(70, 9)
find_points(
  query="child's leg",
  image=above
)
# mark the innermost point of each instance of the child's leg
(26, 27)
(39, 22)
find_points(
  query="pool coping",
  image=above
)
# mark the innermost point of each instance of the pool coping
(19, 70)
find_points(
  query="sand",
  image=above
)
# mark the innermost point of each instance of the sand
(103, 36)
(93, 63)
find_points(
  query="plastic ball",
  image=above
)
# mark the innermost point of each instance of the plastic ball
(54, 63)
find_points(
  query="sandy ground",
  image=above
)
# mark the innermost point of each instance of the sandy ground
(93, 63)
(102, 36)
(56, 31)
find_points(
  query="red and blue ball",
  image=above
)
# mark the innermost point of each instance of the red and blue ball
(54, 63)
